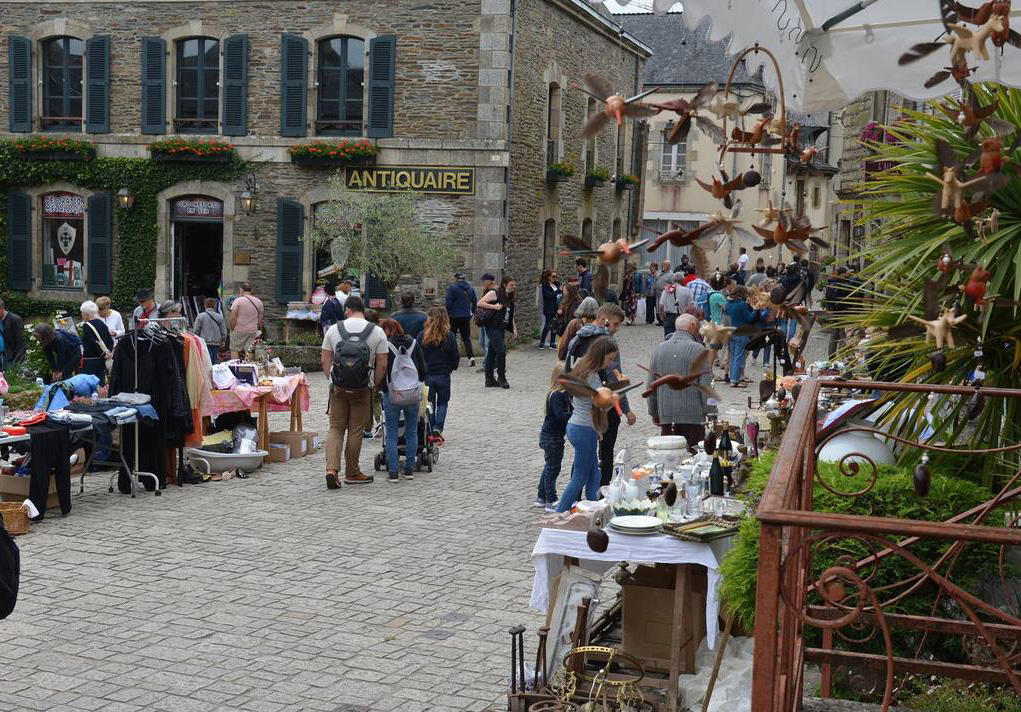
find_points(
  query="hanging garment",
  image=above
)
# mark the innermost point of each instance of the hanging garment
(51, 452)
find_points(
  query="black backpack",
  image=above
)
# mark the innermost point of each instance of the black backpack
(10, 572)
(352, 359)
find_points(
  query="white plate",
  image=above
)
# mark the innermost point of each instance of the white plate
(636, 532)
(636, 522)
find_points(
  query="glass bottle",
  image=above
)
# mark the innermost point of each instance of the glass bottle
(716, 478)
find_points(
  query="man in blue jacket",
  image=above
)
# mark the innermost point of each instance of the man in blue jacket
(460, 302)
(584, 276)
(411, 320)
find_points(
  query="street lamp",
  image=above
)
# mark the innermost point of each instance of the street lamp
(247, 202)
(125, 198)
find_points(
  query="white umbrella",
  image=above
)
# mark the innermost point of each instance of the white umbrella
(824, 70)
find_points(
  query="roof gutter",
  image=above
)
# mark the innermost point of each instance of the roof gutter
(604, 25)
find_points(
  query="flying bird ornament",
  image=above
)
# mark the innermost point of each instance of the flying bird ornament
(940, 329)
(615, 106)
(722, 186)
(982, 14)
(604, 397)
(688, 112)
(609, 253)
(700, 366)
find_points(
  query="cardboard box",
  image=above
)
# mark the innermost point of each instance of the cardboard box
(296, 441)
(312, 442)
(278, 452)
(647, 618)
(15, 489)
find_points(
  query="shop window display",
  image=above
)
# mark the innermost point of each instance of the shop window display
(63, 241)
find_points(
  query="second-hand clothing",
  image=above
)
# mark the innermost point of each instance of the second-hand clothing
(51, 451)
(666, 405)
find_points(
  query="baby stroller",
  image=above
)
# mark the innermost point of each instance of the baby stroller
(428, 448)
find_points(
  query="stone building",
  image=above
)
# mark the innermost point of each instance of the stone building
(684, 60)
(465, 100)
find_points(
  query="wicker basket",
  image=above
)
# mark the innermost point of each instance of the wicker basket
(15, 516)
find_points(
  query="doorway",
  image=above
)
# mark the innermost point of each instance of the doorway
(198, 263)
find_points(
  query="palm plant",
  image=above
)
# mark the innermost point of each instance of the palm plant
(902, 258)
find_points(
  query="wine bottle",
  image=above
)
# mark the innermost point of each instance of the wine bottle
(716, 478)
(725, 452)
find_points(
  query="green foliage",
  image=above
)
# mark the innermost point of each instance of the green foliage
(191, 147)
(599, 173)
(958, 696)
(137, 228)
(47, 143)
(346, 150)
(380, 233)
(902, 259)
(892, 496)
(627, 179)
(560, 169)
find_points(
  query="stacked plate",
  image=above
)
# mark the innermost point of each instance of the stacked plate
(636, 525)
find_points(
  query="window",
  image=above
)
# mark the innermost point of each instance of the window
(63, 60)
(63, 241)
(549, 244)
(799, 196)
(341, 79)
(673, 160)
(590, 143)
(816, 197)
(198, 83)
(553, 124)
(765, 168)
(586, 231)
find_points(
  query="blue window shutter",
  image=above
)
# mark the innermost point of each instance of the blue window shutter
(290, 249)
(293, 85)
(100, 243)
(154, 80)
(97, 92)
(382, 65)
(235, 85)
(19, 240)
(20, 83)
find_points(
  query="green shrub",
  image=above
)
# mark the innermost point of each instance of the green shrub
(892, 496)
(957, 696)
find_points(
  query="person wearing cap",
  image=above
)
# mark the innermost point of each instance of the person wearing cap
(146, 308)
(342, 292)
(460, 302)
(488, 283)
(836, 301)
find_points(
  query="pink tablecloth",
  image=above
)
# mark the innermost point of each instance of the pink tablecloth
(247, 397)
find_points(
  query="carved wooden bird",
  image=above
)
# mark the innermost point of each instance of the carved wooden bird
(700, 366)
(982, 14)
(975, 288)
(771, 214)
(609, 253)
(965, 40)
(728, 226)
(791, 233)
(604, 397)
(715, 334)
(950, 200)
(722, 186)
(758, 134)
(687, 112)
(940, 329)
(971, 114)
(682, 238)
(959, 72)
(615, 106)
(949, 16)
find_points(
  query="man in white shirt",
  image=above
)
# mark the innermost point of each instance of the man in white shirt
(742, 266)
(350, 404)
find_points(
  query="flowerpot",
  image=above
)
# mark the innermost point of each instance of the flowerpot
(192, 157)
(593, 182)
(314, 161)
(622, 185)
(60, 155)
(554, 177)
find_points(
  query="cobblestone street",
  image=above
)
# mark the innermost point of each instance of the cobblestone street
(274, 593)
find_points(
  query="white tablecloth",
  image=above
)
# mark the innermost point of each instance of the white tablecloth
(553, 544)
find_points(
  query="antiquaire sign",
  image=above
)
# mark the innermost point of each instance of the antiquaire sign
(422, 179)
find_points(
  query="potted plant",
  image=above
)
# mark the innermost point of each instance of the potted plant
(191, 149)
(52, 148)
(559, 172)
(596, 177)
(333, 153)
(626, 182)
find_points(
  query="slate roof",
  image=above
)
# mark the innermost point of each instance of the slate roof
(681, 56)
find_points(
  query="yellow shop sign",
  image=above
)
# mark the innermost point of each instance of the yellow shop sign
(422, 179)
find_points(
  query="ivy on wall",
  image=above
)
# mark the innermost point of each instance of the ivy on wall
(134, 262)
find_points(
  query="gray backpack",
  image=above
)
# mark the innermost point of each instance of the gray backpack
(352, 359)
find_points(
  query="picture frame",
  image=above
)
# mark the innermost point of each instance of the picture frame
(573, 584)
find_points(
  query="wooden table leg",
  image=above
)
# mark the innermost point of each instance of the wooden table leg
(682, 649)
(296, 426)
(263, 424)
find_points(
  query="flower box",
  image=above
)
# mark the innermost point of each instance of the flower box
(191, 150)
(624, 185)
(313, 161)
(60, 155)
(191, 157)
(555, 177)
(594, 182)
(51, 148)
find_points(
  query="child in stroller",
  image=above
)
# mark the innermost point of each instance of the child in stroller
(428, 448)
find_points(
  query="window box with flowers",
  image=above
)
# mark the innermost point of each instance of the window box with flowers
(625, 182)
(185, 149)
(49, 148)
(559, 173)
(597, 177)
(334, 153)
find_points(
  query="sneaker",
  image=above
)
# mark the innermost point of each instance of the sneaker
(358, 479)
(551, 508)
(540, 346)
(331, 481)
(539, 502)
(393, 477)
(492, 384)
(471, 362)
(408, 475)
(502, 383)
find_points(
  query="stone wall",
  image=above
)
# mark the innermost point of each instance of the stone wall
(436, 85)
(553, 41)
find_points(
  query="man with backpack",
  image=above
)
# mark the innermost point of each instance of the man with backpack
(354, 358)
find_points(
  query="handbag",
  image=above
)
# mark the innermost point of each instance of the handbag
(482, 316)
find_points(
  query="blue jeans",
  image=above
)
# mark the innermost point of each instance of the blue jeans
(483, 341)
(788, 327)
(439, 396)
(214, 351)
(553, 450)
(392, 415)
(737, 357)
(585, 471)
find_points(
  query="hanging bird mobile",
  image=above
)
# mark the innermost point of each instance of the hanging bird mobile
(687, 112)
(975, 288)
(970, 114)
(615, 106)
(758, 135)
(950, 200)
(700, 366)
(723, 186)
(604, 397)
(982, 14)
(609, 253)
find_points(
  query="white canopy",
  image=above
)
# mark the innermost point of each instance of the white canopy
(825, 70)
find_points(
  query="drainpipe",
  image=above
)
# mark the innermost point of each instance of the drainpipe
(510, 124)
